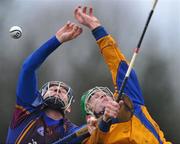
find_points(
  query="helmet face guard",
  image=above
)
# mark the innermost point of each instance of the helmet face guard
(87, 95)
(55, 102)
(125, 113)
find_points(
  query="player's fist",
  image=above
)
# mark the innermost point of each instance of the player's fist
(112, 110)
(68, 32)
(91, 123)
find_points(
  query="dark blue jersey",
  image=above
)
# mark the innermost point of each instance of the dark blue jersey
(29, 123)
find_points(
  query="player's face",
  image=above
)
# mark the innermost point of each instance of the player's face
(98, 101)
(57, 91)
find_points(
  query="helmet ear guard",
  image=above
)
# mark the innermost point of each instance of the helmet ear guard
(54, 102)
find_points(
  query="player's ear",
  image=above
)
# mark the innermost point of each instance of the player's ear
(88, 105)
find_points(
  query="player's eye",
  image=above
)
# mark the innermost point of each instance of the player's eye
(102, 96)
(55, 90)
(96, 96)
(63, 91)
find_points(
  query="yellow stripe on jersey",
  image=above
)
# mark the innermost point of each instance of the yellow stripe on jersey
(24, 132)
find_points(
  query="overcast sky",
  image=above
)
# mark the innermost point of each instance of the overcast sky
(124, 19)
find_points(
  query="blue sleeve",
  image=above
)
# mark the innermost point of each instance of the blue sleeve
(27, 90)
(105, 126)
(99, 33)
(132, 87)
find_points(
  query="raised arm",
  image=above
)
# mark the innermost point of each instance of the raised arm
(107, 45)
(113, 57)
(27, 90)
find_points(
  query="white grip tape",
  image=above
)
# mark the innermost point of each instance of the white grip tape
(131, 65)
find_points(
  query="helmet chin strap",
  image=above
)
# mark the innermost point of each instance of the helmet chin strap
(56, 109)
(52, 103)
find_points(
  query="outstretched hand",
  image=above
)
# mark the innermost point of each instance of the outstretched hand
(68, 32)
(85, 18)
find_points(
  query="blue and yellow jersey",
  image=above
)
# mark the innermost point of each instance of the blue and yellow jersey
(29, 123)
(141, 129)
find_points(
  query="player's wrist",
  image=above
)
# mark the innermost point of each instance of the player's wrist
(104, 126)
(59, 38)
(106, 118)
(93, 26)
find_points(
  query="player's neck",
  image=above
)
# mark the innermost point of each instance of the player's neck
(53, 114)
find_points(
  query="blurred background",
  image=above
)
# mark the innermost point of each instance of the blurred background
(79, 62)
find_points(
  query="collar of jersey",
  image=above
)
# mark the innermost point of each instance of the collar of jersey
(49, 121)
